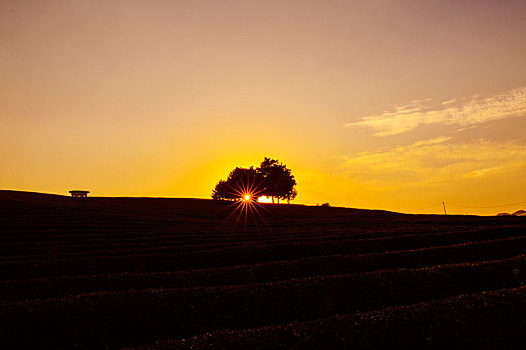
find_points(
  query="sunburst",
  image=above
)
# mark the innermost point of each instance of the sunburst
(247, 205)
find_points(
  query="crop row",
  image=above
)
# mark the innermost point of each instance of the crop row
(171, 259)
(263, 272)
(487, 320)
(72, 246)
(141, 317)
(51, 228)
(129, 218)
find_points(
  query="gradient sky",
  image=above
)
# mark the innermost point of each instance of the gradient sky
(395, 105)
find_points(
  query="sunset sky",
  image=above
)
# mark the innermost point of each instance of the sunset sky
(395, 105)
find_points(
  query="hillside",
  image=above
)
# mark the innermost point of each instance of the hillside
(192, 273)
(516, 213)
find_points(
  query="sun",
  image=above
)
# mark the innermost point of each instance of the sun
(246, 197)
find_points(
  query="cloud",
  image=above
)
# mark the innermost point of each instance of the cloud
(470, 112)
(448, 102)
(435, 161)
(434, 141)
(466, 128)
(482, 172)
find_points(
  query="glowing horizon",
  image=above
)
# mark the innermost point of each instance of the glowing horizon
(371, 104)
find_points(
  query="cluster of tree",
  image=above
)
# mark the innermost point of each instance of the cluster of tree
(271, 179)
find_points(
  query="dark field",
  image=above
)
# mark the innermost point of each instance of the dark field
(185, 274)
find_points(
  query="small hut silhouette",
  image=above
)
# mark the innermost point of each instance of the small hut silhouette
(79, 193)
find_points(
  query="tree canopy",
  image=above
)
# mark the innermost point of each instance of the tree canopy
(272, 179)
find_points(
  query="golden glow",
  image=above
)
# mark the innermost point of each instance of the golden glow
(392, 118)
(264, 199)
(246, 197)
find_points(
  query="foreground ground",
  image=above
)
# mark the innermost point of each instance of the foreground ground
(194, 274)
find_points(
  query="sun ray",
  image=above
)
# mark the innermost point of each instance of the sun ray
(246, 206)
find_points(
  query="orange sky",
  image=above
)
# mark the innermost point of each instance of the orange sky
(395, 105)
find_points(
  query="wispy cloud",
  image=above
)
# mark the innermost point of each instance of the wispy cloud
(482, 172)
(448, 102)
(476, 110)
(434, 141)
(435, 160)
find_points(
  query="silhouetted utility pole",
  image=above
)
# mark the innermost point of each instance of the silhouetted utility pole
(444, 204)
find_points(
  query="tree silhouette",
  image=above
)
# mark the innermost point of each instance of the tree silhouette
(278, 181)
(241, 182)
(272, 179)
(222, 191)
